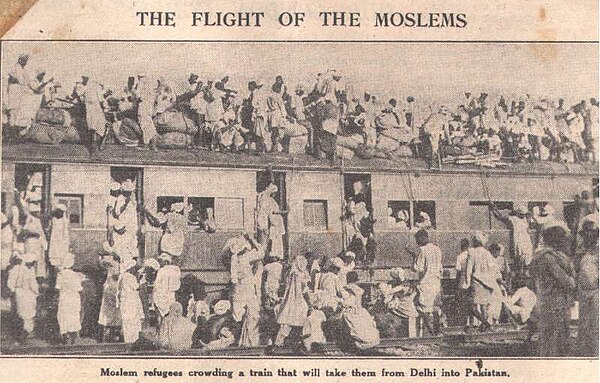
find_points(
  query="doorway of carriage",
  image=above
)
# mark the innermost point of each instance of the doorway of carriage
(357, 217)
(272, 184)
(123, 175)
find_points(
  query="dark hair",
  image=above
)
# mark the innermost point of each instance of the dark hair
(393, 102)
(555, 237)
(495, 247)
(352, 277)
(422, 237)
(464, 244)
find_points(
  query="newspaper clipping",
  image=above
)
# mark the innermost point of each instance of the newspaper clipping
(263, 191)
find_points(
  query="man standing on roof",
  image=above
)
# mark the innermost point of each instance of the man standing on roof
(146, 96)
(518, 222)
(428, 266)
(258, 100)
(93, 97)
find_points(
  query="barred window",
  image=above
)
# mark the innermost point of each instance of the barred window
(74, 204)
(315, 214)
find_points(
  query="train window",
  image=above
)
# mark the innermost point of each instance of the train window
(424, 214)
(200, 210)
(399, 215)
(229, 213)
(74, 204)
(163, 203)
(534, 208)
(315, 214)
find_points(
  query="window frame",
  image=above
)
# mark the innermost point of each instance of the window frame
(70, 197)
(325, 204)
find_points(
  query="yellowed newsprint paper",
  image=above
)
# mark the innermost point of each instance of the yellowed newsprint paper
(299, 191)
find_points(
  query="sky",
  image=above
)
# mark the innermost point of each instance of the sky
(437, 71)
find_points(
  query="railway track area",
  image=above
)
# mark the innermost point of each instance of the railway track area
(453, 343)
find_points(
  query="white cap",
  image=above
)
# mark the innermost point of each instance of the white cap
(128, 265)
(177, 207)
(114, 186)
(221, 307)
(337, 262)
(128, 186)
(4, 218)
(152, 263)
(61, 206)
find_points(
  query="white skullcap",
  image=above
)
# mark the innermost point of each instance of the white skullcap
(350, 254)
(165, 257)
(114, 186)
(128, 265)
(481, 237)
(128, 186)
(152, 263)
(221, 307)
(337, 262)
(177, 207)
(4, 218)
(61, 206)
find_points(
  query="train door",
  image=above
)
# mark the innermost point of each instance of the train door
(357, 228)
(121, 174)
(32, 181)
(263, 180)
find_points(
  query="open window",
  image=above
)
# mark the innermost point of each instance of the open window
(315, 214)
(74, 204)
(424, 214)
(163, 203)
(399, 216)
(200, 210)
(534, 208)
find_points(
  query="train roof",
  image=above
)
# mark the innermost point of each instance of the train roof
(121, 155)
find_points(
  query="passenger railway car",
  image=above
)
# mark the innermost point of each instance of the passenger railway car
(456, 198)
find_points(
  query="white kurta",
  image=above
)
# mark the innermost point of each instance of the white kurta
(131, 308)
(6, 249)
(147, 96)
(429, 266)
(126, 244)
(168, 281)
(522, 240)
(110, 315)
(94, 115)
(22, 281)
(59, 240)
(68, 282)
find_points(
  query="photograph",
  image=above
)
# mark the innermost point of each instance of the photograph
(306, 199)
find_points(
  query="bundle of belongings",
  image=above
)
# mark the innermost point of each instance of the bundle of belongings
(175, 129)
(52, 126)
(387, 139)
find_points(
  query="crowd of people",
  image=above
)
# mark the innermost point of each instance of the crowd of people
(311, 299)
(329, 118)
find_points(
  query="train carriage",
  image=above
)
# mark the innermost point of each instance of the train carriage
(456, 198)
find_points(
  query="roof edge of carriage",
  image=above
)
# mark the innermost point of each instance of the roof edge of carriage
(126, 156)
